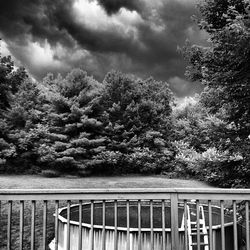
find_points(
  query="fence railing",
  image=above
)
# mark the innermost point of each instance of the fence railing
(125, 219)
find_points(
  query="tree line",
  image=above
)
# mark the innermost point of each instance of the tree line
(124, 124)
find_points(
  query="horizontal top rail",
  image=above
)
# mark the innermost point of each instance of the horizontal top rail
(124, 194)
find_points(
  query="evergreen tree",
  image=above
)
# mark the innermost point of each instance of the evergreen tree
(135, 118)
(72, 135)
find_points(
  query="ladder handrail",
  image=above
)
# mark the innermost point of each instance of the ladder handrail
(204, 228)
(190, 240)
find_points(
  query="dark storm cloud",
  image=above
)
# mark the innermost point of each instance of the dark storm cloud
(113, 6)
(149, 48)
(21, 18)
(54, 21)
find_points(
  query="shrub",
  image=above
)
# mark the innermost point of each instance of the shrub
(83, 173)
(50, 173)
(221, 168)
(107, 162)
(146, 161)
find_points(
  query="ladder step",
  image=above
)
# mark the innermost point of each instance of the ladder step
(201, 244)
(195, 228)
(195, 223)
(201, 234)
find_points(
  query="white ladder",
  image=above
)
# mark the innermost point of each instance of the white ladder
(192, 229)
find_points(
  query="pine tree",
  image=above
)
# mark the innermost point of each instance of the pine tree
(135, 118)
(72, 136)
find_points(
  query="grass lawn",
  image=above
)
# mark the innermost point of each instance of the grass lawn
(39, 182)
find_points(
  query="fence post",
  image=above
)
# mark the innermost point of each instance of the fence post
(174, 222)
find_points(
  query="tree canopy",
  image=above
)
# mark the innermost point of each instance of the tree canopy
(223, 66)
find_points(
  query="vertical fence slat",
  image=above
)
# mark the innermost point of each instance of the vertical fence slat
(198, 224)
(68, 225)
(9, 225)
(0, 218)
(151, 226)
(44, 225)
(210, 221)
(235, 226)
(92, 225)
(185, 225)
(139, 224)
(115, 224)
(247, 226)
(33, 216)
(56, 224)
(80, 226)
(174, 222)
(222, 225)
(103, 225)
(163, 225)
(21, 225)
(128, 226)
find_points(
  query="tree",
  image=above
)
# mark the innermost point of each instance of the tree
(224, 66)
(23, 120)
(10, 82)
(72, 135)
(135, 115)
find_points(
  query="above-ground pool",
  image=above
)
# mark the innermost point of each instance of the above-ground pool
(121, 233)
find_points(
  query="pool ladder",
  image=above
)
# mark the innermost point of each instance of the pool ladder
(193, 232)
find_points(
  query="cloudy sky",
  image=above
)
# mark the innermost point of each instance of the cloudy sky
(134, 36)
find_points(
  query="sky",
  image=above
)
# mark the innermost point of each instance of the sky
(140, 37)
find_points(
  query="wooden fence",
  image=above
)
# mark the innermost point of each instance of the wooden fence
(234, 200)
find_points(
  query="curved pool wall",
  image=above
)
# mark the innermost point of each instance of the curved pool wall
(122, 230)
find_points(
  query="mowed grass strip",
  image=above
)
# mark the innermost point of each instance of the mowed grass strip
(39, 182)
